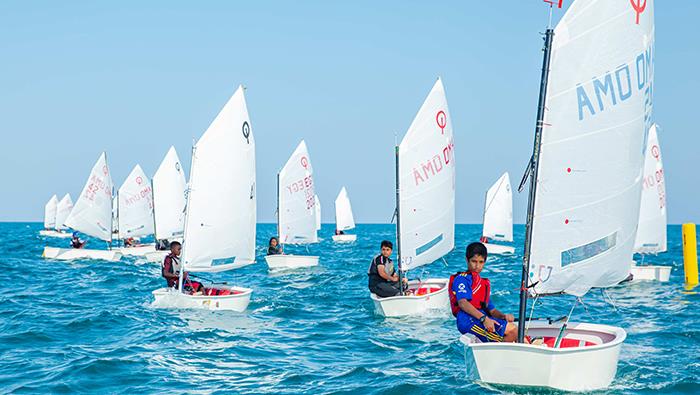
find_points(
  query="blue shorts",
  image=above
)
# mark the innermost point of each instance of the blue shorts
(468, 324)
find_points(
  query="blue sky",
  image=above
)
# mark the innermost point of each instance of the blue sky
(133, 78)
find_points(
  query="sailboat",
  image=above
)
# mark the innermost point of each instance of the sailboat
(498, 216)
(343, 217)
(425, 206)
(135, 212)
(585, 184)
(317, 206)
(220, 217)
(63, 209)
(51, 224)
(92, 215)
(169, 200)
(651, 231)
(296, 214)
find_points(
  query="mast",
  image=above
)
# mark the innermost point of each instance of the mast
(279, 228)
(534, 168)
(187, 209)
(398, 224)
(153, 212)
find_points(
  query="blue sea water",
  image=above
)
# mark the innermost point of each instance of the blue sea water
(88, 326)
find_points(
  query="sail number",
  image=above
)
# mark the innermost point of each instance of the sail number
(96, 184)
(305, 186)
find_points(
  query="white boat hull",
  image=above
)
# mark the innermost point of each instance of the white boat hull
(580, 368)
(650, 272)
(67, 254)
(407, 305)
(156, 256)
(171, 298)
(139, 250)
(344, 238)
(55, 233)
(497, 249)
(276, 262)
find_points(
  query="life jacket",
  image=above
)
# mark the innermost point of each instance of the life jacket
(174, 263)
(481, 292)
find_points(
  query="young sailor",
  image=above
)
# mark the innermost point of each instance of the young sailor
(274, 248)
(171, 270)
(470, 299)
(75, 241)
(383, 280)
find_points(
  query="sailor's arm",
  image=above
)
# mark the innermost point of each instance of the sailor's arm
(497, 314)
(383, 274)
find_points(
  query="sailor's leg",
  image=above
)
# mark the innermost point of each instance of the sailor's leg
(511, 333)
(385, 290)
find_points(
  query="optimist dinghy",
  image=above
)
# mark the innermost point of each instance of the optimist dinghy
(219, 233)
(498, 216)
(343, 218)
(135, 212)
(651, 231)
(54, 217)
(92, 215)
(583, 200)
(169, 200)
(296, 212)
(425, 206)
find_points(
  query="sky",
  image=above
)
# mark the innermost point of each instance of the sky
(132, 78)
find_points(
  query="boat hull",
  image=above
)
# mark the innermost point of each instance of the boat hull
(650, 272)
(68, 254)
(55, 233)
(156, 256)
(498, 249)
(139, 250)
(579, 368)
(171, 298)
(410, 305)
(277, 262)
(344, 238)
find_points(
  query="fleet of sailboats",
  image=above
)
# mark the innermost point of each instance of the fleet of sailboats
(588, 211)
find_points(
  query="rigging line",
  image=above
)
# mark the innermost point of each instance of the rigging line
(612, 303)
(532, 311)
(564, 325)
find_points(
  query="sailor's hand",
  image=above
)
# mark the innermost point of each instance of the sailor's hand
(509, 317)
(490, 324)
(405, 280)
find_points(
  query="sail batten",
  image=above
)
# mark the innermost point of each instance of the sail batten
(426, 184)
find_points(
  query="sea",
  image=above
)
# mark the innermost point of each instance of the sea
(90, 327)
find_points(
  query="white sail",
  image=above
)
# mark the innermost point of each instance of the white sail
(318, 212)
(651, 231)
(498, 211)
(221, 207)
(169, 197)
(65, 205)
(598, 111)
(92, 213)
(135, 199)
(343, 211)
(297, 215)
(427, 183)
(50, 213)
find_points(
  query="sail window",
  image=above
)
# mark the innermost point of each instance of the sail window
(425, 247)
(588, 251)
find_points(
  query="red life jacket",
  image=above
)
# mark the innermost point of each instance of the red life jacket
(481, 292)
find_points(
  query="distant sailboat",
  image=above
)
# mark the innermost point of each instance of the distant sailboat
(220, 219)
(585, 182)
(51, 219)
(425, 206)
(343, 218)
(65, 206)
(92, 215)
(296, 214)
(169, 202)
(651, 231)
(498, 216)
(135, 211)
